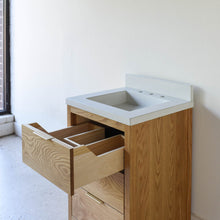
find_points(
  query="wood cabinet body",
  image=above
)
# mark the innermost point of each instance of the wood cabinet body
(157, 165)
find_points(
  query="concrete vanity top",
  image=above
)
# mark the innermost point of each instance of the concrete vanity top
(142, 99)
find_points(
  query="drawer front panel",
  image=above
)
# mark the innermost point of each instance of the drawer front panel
(110, 190)
(49, 157)
(84, 207)
(98, 160)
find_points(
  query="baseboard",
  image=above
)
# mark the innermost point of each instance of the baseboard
(6, 125)
(196, 217)
(17, 129)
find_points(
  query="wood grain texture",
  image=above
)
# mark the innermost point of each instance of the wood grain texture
(70, 117)
(50, 158)
(84, 208)
(106, 145)
(189, 161)
(88, 137)
(94, 117)
(109, 189)
(158, 168)
(36, 125)
(89, 167)
(74, 130)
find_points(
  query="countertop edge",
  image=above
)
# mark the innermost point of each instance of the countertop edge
(138, 119)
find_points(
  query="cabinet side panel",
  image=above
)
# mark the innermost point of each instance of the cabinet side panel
(189, 162)
(70, 116)
(127, 176)
(158, 168)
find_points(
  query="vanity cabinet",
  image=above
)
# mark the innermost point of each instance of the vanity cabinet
(156, 181)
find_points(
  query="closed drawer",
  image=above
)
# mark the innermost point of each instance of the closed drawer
(72, 157)
(110, 190)
(87, 207)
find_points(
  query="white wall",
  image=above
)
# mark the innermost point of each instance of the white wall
(70, 47)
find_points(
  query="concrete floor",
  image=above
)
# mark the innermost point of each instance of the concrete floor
(24, 194)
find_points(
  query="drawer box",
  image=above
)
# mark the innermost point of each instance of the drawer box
(110, 190)
(87, 206)
(74, 156)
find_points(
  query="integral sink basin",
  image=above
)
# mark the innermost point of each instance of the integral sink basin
(129, 100)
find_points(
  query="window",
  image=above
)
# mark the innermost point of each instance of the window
(4, 58)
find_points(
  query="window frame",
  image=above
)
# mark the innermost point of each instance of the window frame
(6, 59)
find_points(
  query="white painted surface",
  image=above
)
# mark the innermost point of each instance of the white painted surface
(148, 105)
(164, 87)
(72, 47)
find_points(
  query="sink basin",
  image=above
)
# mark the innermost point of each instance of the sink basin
(129, 100)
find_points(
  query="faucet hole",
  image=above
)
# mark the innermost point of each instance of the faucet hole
(151, 94)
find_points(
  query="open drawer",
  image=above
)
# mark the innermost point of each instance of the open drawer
(74, 156)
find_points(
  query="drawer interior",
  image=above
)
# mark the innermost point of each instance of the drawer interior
(89, 154)
(93, 135)
(74, 130)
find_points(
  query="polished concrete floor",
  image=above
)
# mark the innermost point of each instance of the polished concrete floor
(24, 194)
